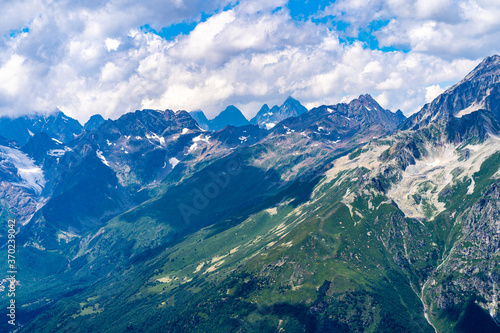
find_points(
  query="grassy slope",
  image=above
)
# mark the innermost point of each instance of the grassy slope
(322, 262)
(302, 266)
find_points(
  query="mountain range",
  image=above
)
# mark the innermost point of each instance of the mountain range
(230, 116)
(343, 218)
(57, 125)
(266, 118)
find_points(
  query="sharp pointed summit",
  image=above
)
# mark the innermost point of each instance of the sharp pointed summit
(479, 91)
(268, 118)
(94, 122)
(201, 119)
(57, 125)
(362, 117)
(230, 116)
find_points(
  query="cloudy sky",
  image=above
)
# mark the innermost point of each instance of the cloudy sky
(116, 56)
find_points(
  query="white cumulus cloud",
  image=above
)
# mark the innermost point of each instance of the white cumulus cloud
(92, 57)
(432, 92)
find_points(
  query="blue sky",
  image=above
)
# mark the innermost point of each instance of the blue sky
(112, 57)
(300, 12)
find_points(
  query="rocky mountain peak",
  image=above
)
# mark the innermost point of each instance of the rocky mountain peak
(231, 110)
(478, 91)
(267, 118)
(490, 66)
(7, 143)
(230, 116)
(94, 122)
(362, 118)
(57, 125)
(292, 102)
(264, 109)
(366, 110)
(142, 122)
(201, 119)
(366, 101)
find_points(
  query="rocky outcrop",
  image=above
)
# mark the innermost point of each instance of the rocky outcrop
(477, 92)
(268, 118)
(470, 271)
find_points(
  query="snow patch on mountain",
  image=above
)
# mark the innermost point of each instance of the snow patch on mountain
(417, 193)
(214, 267)
(58, 152)
(32, 175)
(101, 157)
(202, 138)
(193, 147)
(165, 279)
(217, 258)
(368, 159)
(66, 236)
(472, 108)
(199, 267)
(272, 211)
(155, 136)
(173, 161)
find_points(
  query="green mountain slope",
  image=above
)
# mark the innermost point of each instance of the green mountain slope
(347, 259)
(300, 232)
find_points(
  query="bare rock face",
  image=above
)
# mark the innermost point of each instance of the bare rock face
(21, 182)
(268, 118)
(57, 125)
(230, 116)
(19, 202)
(94, 122)
(201, 119)
(477, 91)
(367, 111)
(362, 117)
(470, 269)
